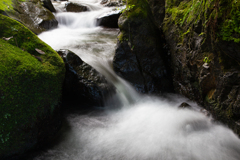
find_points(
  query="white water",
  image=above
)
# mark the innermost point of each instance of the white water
(146, 128)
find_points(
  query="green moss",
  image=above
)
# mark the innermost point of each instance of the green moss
(230, 28)
(29, 87)
(221, 16)
(140, 8)
(6, 5)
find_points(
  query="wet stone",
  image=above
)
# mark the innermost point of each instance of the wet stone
(184, 105)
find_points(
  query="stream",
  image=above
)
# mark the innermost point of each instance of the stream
(144, 127)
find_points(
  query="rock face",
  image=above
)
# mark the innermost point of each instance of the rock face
(158, 11)
(140, 57)
(109, 20)
(83, 84)
(203, 41)
(74, 7)
(31, 13)
(31, 81)
(205, 64)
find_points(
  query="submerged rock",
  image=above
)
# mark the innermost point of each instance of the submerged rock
(104, 1)
(113, 4)
(184, 105)
(83, 84)
(75, 7)
(109, 19)
(30, 90)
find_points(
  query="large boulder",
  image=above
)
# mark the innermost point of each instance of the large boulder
(75, 7)
(140, 57)
(31, 78)
(31, 13)
(109, 19)
(205, 50)
(83, 84)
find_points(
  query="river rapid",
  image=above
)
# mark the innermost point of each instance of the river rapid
(143, 127)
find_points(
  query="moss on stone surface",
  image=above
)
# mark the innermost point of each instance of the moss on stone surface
(221, 16)
(31, 13)
(140, 8)
(6, 5)
(30, 83)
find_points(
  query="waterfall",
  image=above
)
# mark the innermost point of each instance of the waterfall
(146, 127)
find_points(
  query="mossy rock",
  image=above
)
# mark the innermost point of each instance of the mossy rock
(31, 77)
(140, 58)
(31, 13)
(196, 30)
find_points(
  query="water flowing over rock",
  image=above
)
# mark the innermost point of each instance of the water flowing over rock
(112, 3)
(140, 57)
(184, 105)
(104, 2)
(204, 63)
(109, 19)
(83, 84)
(74, 7)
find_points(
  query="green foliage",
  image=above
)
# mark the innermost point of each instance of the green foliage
(29, 82)
(206, 60)
(222, 17)
(193, 7)
(230, 29)
(128, 8)
(137, 8)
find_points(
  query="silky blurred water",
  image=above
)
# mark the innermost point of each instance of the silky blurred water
(143, 127)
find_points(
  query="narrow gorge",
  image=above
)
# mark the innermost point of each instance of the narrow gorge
(119, 80)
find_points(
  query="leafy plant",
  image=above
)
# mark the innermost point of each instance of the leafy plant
(128, 8)
(206, 60)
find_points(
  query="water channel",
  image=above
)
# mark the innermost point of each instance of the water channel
(151, 128)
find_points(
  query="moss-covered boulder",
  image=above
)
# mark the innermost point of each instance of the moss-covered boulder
(204, 41)
(31, 13)
(31, 77)
(140, 57)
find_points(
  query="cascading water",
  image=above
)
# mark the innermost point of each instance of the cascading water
(146, 127)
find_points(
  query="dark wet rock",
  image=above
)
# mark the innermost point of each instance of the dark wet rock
(140, 57)
(214, 84)
(104, 2)
(33, 15)
(158, 11)
(48, 4)
(75, 7)
(113, 4)
(184, 105)
(83, 84)
(109, 20)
